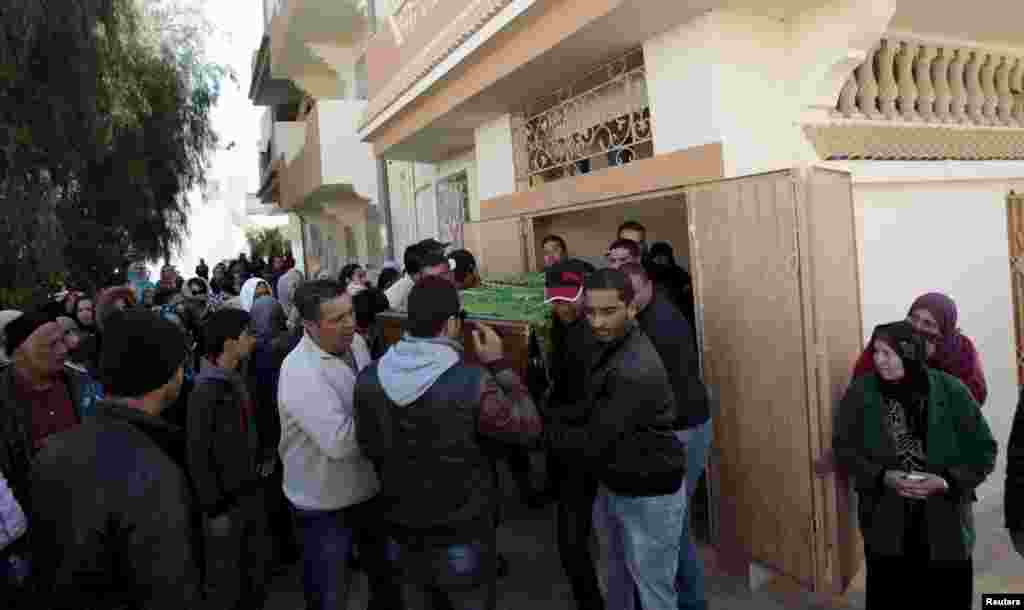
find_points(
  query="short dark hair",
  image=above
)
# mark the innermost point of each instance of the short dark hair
(432, 301)
(367, 304)
(556, 239)
(222, 325)
(632, 225)
(309, 296)
(626, 244)
(413, 259)
(465, 263)
(611, 279)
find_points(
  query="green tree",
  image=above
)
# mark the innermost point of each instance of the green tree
(267, 243)
(104, 129)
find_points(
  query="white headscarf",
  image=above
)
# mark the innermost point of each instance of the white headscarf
(248, 294)
(6, 317)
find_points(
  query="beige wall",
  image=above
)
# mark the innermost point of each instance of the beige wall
(590, 231)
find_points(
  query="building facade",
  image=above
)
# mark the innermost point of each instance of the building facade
(502, 121)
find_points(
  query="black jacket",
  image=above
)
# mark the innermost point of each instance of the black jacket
(222, 452)
(573, 348)
(111, 521)
(672, 337)
(433, 457)
(628, 440)
(1014, 494)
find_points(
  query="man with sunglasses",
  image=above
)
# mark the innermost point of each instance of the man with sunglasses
(425, 418)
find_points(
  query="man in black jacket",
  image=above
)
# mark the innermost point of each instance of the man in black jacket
(424, 417)
(672, 337)
(572, 346)
(629, 443)
(111, 520)
(226, 463)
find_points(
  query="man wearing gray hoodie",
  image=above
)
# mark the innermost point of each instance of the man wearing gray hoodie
(426, 419)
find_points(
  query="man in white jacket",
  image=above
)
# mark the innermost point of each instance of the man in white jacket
(326, 478)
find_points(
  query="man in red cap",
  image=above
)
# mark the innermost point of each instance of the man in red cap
(572, 345)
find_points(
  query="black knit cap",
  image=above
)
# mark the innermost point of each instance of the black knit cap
(432, 301)
(21, 328)
(141, 353)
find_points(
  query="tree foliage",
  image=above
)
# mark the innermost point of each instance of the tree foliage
(267, 243)
(104, 128)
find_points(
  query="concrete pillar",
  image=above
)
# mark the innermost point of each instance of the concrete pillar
(721, 78)
(748, 81)
(495, 160)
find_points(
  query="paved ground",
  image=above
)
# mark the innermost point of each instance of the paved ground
(536, 581)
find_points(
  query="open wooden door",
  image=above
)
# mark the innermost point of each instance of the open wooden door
(759, 247)
(1015, 227)
(498, 245)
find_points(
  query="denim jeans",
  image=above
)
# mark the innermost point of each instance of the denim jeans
(643, 547)
(690, 573)
(437, 576)
(327, 541)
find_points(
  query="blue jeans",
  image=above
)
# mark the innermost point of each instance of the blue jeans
(445, 576)
(327, 541)
(643, 547)
(690, 574)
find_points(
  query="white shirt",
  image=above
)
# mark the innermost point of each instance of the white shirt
(398, 293)
(323, 466)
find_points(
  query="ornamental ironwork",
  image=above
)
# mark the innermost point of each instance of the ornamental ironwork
(603, 118)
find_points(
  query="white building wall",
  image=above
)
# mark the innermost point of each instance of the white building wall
(495, 158)
(345, 158)
(944, 235)
(727, 77)
(289, 138)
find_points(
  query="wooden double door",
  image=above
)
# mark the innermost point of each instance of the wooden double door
(774, 263)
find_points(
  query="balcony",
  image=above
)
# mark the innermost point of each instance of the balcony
(280, 143)
(315, 43)
(334, 168)
(918, 99)
(265, 89)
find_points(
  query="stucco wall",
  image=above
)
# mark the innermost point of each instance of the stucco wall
(345, 159)
(466, 161)
(948, 237)
(289, 138)
(495, 159)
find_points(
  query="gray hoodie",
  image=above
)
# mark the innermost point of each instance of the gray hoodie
(413, 365)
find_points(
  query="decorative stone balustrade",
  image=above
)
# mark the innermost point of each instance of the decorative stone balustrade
(906, 80)
(916, 100)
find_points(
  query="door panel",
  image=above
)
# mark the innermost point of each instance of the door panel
(1015, 226)
(746, 263)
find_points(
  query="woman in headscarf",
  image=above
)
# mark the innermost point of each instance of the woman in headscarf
(6, 317)
(253, 289)
(671, 279)
(264, 369)
(934, 317)
(86, 353)
(916, 446)
(353, 278)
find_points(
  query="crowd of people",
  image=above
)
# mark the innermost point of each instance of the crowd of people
(171, 445)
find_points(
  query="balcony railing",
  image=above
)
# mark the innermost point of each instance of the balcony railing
(929, 83)
(603, 116)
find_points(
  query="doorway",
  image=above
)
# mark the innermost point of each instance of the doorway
(588, 230)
